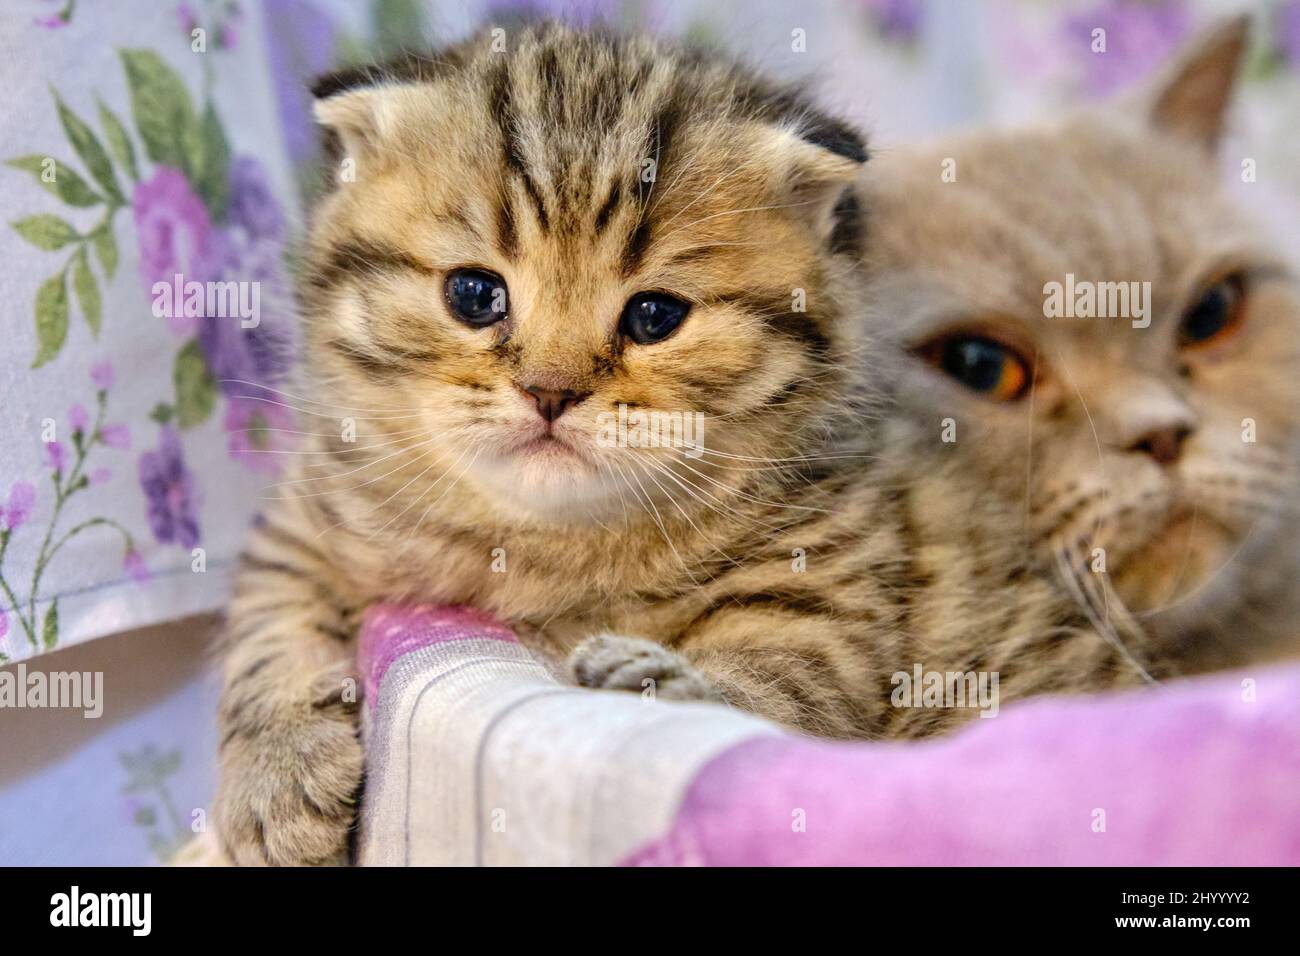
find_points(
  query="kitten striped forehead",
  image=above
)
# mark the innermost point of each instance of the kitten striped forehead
(585, 123)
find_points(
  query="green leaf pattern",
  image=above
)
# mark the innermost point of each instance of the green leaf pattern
(173, 134)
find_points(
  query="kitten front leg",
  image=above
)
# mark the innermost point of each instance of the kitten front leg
(290, 758)
(614, 662)
(790, 668)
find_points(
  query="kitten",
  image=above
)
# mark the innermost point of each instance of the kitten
(521, 241)
(529, 247)
(1152, 459)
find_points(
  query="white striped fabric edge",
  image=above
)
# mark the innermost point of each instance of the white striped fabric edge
(477, 755)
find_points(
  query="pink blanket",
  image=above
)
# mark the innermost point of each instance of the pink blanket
(1202, 771)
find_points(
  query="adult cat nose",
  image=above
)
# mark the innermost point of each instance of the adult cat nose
(552, 403)
(1165, 445)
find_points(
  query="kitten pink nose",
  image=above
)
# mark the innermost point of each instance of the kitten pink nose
(552, 403)
(1165, 445)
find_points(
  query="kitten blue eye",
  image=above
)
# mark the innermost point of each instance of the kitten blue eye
(651, 317)
(477, 297)
(981, 364)
(1216, 315)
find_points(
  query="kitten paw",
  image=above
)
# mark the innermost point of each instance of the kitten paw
(611, 662)
(287, 795)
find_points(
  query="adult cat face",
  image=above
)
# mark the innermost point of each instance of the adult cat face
(533, 233)
(1157, 446)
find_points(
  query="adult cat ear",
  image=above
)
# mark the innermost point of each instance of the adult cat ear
(814, 165)
(1191, 97)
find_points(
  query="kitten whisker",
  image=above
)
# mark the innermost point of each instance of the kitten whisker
(736, 212)
(414, 501)
(409, 448)
(672, 498)
(718, 182)
(712, 503)
(372, 510)
(736, 491)
(308, 411)
(446, 491)
(618, 486)
(302, 398)
(658, 519)
(668, 190)
(720, 506)
(331, 454)
(334, 435)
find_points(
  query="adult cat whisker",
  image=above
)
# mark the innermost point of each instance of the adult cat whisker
(1187, 555)
(1101, 457)
(1204, 584)
(1029, 457)
(1070, 567)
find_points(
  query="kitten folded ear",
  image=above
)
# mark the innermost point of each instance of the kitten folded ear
(813, 167)
(359, 107)
(1191, 98)
(353, 122)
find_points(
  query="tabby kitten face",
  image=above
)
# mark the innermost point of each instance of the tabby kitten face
(538, 235)
(1172, 447)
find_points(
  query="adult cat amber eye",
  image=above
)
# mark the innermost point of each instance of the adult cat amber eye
(1216, 315)
(982, 364)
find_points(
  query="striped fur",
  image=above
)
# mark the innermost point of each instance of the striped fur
(793, 567)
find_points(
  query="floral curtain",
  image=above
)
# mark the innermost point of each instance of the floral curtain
(143, 139)
(142, 158)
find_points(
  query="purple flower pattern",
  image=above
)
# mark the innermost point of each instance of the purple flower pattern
(169, 490)
(69, 476)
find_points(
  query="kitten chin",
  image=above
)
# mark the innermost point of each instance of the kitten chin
(544, 480)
